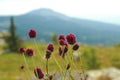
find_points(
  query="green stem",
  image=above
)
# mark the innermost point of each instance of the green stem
(81, 65)
(34, 66)
(26, 64)
(38, 50)
(47, 69)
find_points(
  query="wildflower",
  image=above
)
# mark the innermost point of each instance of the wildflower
(30, 52)
(38, 73)
(61, 42)
(22, 50)
(22, 67)
(60, 51)
(63, 51)
(71, 38)
(50, 77)
(61, 36)
(68, 66)
(50, 47)
(75, 46)
(48, 54)
(32, 33)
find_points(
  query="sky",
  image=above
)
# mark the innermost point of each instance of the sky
(100, 10)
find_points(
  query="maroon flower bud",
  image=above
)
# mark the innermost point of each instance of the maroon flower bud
(29, 52)
(65, 51)
(32, 33)
(68, 66)
(50, 47)
(61, 42)
(50, 77)
(71, 38)
(61, 36)
(38, 73)
(22, 50)
(48, 54)
(60, 51)
(22, 67)
(75, 46)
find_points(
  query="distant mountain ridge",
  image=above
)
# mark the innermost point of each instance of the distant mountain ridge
(47, 22)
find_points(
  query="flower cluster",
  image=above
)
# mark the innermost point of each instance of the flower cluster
(63, 42)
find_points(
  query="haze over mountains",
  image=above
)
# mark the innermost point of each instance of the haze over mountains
(47, 22)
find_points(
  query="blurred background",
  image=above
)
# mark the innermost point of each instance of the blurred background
(96, 24)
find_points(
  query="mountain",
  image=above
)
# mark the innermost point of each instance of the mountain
(47, 22)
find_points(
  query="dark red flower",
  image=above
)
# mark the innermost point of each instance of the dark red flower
(50, 77)
(61, 42)
(38, 73)
(60, 51)
(75, 46)
(48, 54)
(22, 67)
(32, 33)
(63, 51)
(71, 38)
(30, 52)
(61, 36)
(68, 66)
(50, 47)
(22, 50)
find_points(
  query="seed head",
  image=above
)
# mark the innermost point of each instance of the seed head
(75, 46)
(50, 47)
(32, 33)
(38, 73)
(61, 36)
(22, 50)
(71, 39)
(29, 52)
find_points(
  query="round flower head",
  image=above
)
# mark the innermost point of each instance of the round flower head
(50, 47)
(68, 66)
(38, 73)
(22, 67)
(75, 46)
(29, 52)
(60, 51)
(48, 54)
(71, 38)
(32, 33)
(22, 50)
(61, 36)
(61, 42)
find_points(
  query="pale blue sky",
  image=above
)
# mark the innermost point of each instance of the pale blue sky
(101, 10)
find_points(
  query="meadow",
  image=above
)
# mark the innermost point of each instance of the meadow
(10, 63)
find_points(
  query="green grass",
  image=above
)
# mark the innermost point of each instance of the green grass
(10, 62)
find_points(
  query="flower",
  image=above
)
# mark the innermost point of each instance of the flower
(38, 73)
(50, 77)
(68, 66)
(71, 38)
(60, 51)
(22, 50)
(61, 36)
(32, 33)
(63, 51)
(22, 67)
(75, 46)
(48, 54)
(61, 42)
(50, 47)
(30, 52)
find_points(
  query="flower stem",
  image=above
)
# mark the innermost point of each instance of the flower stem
(38, 50)
(47, 69)
(26, 64)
